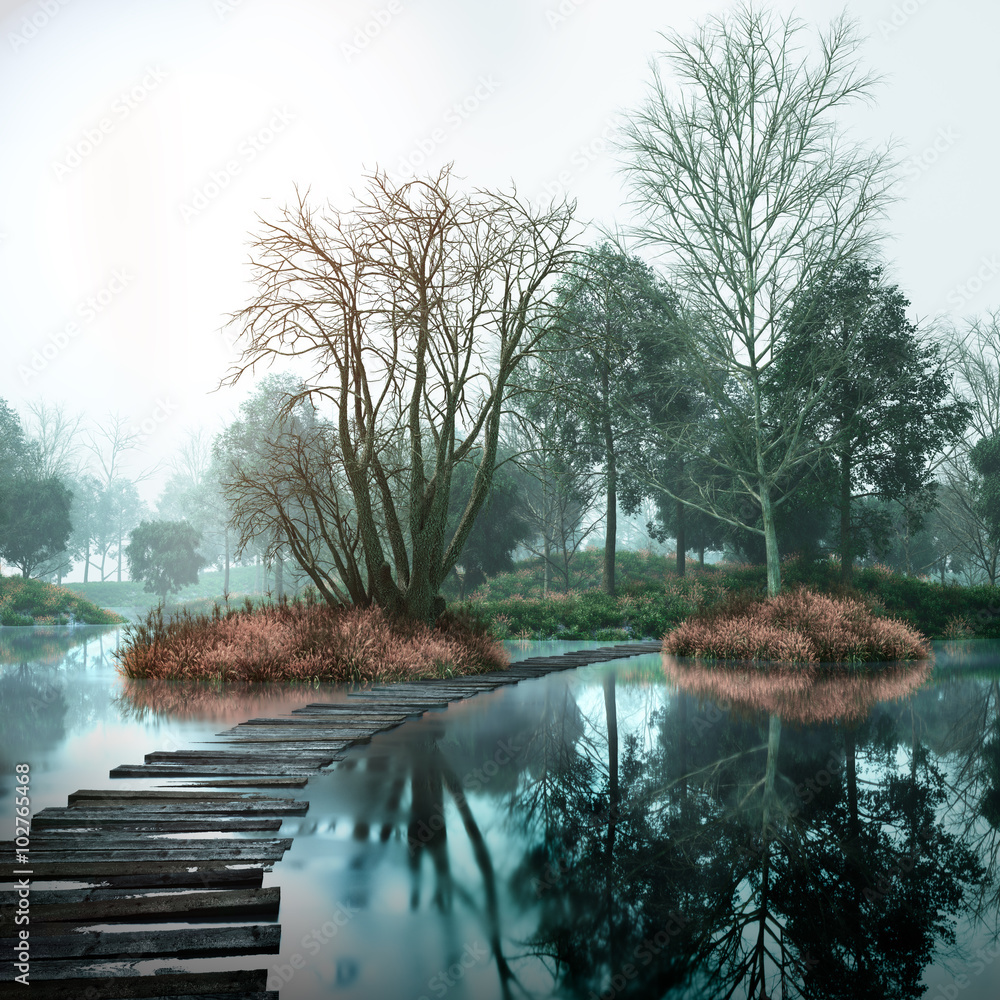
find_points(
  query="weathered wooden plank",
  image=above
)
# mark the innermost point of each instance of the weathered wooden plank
(210, 852)
(247, 768)
(248, 939)
(234, 904)
(402, 699)
(309, 722)
(351, 707)
(168, 824)
(293, 740)
(83, 867)
(175, 899)
(288, 781)
(96, 980)
(261, 807)
(90, 843)
(346, 720)
(305, 756)
(168, 795)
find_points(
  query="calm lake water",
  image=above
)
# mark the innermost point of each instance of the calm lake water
(640, 828)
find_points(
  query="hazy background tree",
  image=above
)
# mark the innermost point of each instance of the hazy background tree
(561, 495)
(284, 488)
(976, 373)
(36, 525)
(742, 177)
(164, 555)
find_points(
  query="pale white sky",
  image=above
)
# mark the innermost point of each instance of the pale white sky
(140, 139)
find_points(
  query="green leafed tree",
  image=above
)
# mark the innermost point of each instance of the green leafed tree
(614, 329)
(36, 526)
(890, 410)
(164, 555)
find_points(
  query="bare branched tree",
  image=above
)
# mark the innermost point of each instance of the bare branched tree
(414, 309)
(746, 183)
(974, 357)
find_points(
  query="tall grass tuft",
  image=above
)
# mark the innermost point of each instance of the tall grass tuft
(795, 627)
(304, 642)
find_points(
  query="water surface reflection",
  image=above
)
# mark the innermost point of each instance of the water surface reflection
(609, 832)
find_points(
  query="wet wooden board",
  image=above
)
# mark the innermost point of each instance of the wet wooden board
(248, 768)
(259, 781)
(253, 807)
(293, 737)
(85, 867)
(167, 795)
(317, 722)
(199, 876)
(207, 941)
(82, 908)
(89, 843)
(207, 850)
(170, 824)
(81, 978)
(302, 756)
(352, 707)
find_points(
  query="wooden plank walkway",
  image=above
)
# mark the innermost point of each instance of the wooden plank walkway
(123, 859)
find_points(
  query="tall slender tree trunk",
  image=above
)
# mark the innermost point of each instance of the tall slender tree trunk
(86, 562)
(846, 541)
(770, 544)
(681, 539)
(279, 576)
(225, 577)
(119, 551)
(611, 469)
(611, 517)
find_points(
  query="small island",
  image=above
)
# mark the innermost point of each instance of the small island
(798, 626)
(33, 602)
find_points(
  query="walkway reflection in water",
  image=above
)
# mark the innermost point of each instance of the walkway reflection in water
(609, 832)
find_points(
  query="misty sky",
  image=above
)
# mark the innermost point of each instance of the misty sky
(140, 139)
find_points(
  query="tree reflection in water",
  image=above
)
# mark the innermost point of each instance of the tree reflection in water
(738, 853)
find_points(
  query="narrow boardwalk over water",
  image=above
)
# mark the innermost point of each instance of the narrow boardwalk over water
(176, 855)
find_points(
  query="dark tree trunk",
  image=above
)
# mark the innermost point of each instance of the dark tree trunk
(681, 539)
(846, 547)
(611, 469)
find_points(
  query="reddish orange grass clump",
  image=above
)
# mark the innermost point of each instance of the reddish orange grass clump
(797, 627)
(303, 643)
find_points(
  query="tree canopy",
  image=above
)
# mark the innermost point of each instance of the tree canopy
(164, 554)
